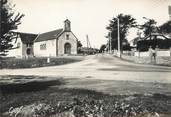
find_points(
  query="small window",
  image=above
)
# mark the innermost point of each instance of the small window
(43, 47)
(67, 36)
(28, 45)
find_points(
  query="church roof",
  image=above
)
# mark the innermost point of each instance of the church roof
(27, 37)
(48, 35)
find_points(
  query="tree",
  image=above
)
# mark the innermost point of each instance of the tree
(79, 45)
(166, 27)
(9, 22)
(102, 48)
(125, 22)
(149, 27)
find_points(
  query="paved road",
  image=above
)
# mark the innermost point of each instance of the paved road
(103, 67)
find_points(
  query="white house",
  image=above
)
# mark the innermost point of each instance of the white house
(57, 42)
(22, 45)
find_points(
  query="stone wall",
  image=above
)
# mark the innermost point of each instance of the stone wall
(63, 40)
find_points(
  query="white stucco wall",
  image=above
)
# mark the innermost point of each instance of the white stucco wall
(49, 51)
(159, 53)
(62, 40)
(17, 51)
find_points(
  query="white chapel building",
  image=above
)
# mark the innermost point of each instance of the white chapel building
(56, 43)
(22, 45)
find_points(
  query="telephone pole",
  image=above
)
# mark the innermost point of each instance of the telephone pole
(110, 39)
(119, 48)
(88, 44)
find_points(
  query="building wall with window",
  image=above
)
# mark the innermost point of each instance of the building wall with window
(45, 48)
(67, 38)
(56, 43)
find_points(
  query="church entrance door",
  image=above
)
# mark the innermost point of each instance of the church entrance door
(67, 48)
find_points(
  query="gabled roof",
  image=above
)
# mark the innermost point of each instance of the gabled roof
(155, 34)
(27, 37)
(49, 35)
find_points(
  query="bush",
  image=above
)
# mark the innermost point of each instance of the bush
(13, 63)
(144, 45)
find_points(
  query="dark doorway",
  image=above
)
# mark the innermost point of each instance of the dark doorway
(28, 51)
(67, 48)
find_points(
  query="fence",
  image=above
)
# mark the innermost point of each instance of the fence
(160, 53)
(163, 57)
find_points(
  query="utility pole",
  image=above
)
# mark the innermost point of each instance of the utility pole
(88, 44)
(139, 36)
(119, 48)
(109, 45)
(87, 40)
(110, 38)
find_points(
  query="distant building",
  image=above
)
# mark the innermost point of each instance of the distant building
(57, 42)
(22, 45)
(87, 50)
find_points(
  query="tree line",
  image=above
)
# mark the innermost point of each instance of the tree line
(126, 22)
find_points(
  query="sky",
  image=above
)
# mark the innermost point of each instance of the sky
(88, 17)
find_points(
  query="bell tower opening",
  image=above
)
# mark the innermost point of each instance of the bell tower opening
(67, 25)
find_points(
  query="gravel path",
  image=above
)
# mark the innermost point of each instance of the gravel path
(104, 67)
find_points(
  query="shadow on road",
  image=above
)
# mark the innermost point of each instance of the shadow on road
(31, 86)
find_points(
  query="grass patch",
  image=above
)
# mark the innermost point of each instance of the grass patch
(14, 63)
(44, 97)
(47, 99)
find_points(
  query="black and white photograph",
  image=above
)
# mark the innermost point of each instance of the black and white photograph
(85, 58)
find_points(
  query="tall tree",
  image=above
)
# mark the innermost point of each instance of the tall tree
(166, 28)
(125, 23)
(79, 45)
(9, 22)
(149, 27)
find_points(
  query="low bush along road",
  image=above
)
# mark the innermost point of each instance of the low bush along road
(100, 85)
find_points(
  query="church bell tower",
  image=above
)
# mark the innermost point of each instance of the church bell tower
(67, 25)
